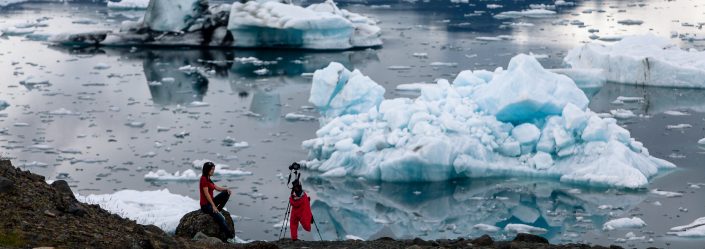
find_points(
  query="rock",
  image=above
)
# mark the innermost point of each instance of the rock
(530, 238)
(49, 213)
(484, 240)
(197, 221)
(206, 239)
(6, 185)
(62, 187)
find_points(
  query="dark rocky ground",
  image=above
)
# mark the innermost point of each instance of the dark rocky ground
(36, 214)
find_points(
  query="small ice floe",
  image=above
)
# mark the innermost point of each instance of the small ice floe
(495, 38)
(494, 6)
(150, 154)
(162, 175)
(630, 22)
(70, 151)
(43, 147)
(665, 193)
(231, 142)
(623, 99)
(415, 87)
(168, 79)
(128, 4)
(630, 236)
(156, 207)
(261, 71)
(486, 228)
(675, 113)
(694, 229)
(135, 124)
(3, 105)
(34, 164)
(154, 83)
(522, 228)
(610, 38)
(241, 144)
(88, 160)
(182, 134)
(299, 117)
(34, 80)
(20, 124)
(623, 223)
(63, 112)
(533, 13)
(622, 114)
(678, 126)
(101, 66)
(443, 64)
(163, 129)
(198, 104)
(420, 55)
(398, 67)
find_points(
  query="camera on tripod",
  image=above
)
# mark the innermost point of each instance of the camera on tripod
(295, 166)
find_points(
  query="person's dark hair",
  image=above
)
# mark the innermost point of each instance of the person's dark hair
(207, 169)
(297, 188)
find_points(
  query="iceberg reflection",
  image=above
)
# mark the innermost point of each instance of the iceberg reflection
(451, 209)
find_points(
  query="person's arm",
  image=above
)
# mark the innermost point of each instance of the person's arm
(221, 189)
(210, 200)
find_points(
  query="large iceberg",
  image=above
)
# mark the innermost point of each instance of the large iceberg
(319, 26)
(643, 60)
(523, 121)
(251, 24)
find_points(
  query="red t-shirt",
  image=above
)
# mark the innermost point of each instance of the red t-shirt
(203, 184)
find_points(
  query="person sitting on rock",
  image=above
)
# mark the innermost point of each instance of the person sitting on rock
(213, 205)
(300, 210)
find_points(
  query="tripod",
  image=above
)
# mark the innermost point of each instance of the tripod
(287, 213)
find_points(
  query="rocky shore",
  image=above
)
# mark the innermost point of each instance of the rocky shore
(36, 214)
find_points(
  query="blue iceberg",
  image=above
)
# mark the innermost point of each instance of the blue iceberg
(523, 121)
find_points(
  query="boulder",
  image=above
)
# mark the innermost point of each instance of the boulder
(197, 221)
(484, 240)
(530, 238)
(206, 239)
(6, 184)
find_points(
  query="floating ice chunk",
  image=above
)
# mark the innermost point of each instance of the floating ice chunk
(34, 80)
(319, 26)
(451, 131)
(158, 207)
(701, 141)
(622, 223)
(694, 229)
(494, 38)
(647, 59)
(622, 114)
(162, 175)
(198, 104)
(135, 124)
(34, 164)
(128, 4)
(173, 15)
(101, 66)
(298, 117)
(63, 112)
(534, 13)
(665, 193)
(71, 151)
(417, 87)
(486, 228)
(522, 228)
(678, 126)
(42, 147)
(261, 71)
(676, 113)
(3, 105)
(630, 22)
(399, 67)
(20, 124)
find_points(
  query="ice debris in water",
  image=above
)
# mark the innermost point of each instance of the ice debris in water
(157, 207)
(128, 4)
(646, 59)
(621, 223)
(522, 228)
(694, 229)
(221, 169)
(484, 124)
(668, 194)
(318, 26)
(3, 105)
(486, 228)
(162, 175)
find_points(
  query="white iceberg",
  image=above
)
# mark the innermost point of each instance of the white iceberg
(157, 207)
(694, 229)
(523, 228)
(644, 60)
(128, 4)
(622, 223)
(483, 125)
(319, 26)
(533, 13)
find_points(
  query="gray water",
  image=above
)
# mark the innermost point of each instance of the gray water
(250, 107)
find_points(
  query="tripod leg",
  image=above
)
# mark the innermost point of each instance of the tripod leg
(286, 216)
(316, 224)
